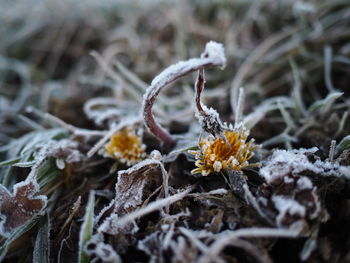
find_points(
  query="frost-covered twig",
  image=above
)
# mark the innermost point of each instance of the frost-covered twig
(152, 207)
(212, 56)
(194, 239)
(332, 150)
(208, 117)
(252, 200)
(75, 130)
(240, 106)
(230, 237)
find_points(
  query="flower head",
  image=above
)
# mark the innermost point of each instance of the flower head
(126, 146)
(216, 154)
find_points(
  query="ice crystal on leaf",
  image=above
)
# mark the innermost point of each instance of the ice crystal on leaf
(126, 146)
(217, 154)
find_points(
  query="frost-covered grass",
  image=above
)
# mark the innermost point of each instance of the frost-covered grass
(73, 75)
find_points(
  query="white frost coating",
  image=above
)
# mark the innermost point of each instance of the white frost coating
(226, 238)
(345, 170)
(286, 162)
(107, 254)
(119, 223)
(288, 180)
(138, 166)
(103, 211)
(294, 162)
(214, 54)
(287, 206)
(304, 183)
(211, 113)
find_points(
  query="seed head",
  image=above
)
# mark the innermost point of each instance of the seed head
(126, 146)
(217, 154)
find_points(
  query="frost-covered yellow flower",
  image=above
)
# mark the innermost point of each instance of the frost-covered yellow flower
(216, 154)
(126, 146)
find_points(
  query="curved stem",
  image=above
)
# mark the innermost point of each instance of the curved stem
(212, 56)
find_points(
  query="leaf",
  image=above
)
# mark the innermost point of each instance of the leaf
(19, 207)
(86, 228)
(343, 145)
(41, 253)
(24, 164)
(9, 161)
(136, 184)
(325, 103)
(16, 234)
(23, 149)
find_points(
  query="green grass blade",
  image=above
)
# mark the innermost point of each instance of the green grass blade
(41, 251)
(16, 234)
(86, 228)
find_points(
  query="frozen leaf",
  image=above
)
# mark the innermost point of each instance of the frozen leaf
(19, 207)
(136, 184)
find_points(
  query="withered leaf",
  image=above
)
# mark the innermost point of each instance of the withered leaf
(17, 208)
(134, 186)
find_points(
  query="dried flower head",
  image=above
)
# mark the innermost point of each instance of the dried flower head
(217, 153)
(126, 146)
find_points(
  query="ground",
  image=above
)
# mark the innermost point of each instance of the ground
(175, 131)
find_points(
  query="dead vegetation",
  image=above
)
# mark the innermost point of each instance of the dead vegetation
(246, 163)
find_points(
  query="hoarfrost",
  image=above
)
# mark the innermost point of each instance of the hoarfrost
(304, 183)
(287, 206)
(294, 162)
(213, 55)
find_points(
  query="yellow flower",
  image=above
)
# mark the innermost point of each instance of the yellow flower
(126, 146)
(216, 154)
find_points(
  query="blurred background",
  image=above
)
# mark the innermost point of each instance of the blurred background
(55, 55)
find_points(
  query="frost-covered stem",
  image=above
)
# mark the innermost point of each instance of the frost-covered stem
(193, 238)
(251, 199)
(152, 207)
(73, 129)
(212, 56)
(229, 237)
(208, 118)
(60, 122)
(239, 109)
(332, 150)
(199, 86)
